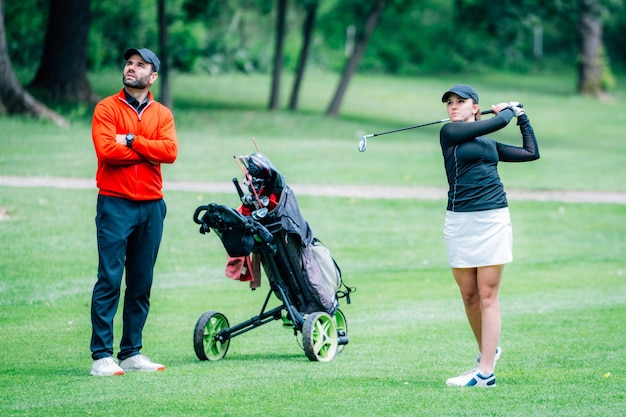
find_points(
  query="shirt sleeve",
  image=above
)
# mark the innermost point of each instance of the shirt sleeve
(453, 134)
(529, 151)
(164, 147)
(103, 135)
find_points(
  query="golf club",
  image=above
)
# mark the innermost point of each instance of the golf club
(363, 141)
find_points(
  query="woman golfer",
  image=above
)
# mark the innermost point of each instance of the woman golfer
(477, 227)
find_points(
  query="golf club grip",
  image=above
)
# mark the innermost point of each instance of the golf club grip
(520, 105)
(238, 187)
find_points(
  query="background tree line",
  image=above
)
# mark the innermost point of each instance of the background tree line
(54, 43)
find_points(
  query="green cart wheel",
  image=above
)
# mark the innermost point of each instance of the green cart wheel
(319, 337)
(342, 327)
(207, 346)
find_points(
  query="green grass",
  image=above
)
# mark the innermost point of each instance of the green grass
(563, 299)
(581, 139)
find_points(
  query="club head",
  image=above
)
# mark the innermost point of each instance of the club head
(363, 144)
(259, 214)
(243, 160)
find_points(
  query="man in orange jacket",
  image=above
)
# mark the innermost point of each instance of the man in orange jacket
(132, 135)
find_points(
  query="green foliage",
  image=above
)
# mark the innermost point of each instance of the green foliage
(607, 79)
(135, 26)
(613, 30)
(431, 36)
(25, 22)
(232, 36)
(188, 37)
(501, 34)
(392, 51)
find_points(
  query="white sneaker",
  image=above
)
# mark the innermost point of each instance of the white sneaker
(472, 379)
(495, 358)
(140, 363)
(106, 367)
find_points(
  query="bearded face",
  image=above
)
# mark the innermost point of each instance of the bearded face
(138, 83)
(138, 74)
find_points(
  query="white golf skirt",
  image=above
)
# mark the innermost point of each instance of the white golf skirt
(478, 238)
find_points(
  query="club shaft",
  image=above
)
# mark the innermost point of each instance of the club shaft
(408, 127)
(416, 126)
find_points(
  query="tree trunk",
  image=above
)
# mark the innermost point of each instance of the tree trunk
(353, 61)
(62, 73)
(166, 95)
(281, 13)
(307, 35)
(590, 48)
(13, 98)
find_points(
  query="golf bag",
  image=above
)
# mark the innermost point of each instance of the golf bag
(269, 229)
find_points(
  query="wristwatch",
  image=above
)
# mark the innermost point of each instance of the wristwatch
(129, 140)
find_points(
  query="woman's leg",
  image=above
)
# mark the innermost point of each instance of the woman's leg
(488, 279)
(467, 280)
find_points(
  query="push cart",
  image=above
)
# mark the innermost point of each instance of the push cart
(269, 229)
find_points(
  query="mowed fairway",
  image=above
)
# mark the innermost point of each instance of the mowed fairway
(563, 298)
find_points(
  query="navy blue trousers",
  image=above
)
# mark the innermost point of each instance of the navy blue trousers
(128, 235)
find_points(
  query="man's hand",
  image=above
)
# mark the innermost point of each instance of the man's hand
(121, 139)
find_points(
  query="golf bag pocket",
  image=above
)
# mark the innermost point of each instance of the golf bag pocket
(328, 267)
(320, 287)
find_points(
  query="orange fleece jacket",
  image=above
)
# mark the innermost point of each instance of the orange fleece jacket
(134, 174)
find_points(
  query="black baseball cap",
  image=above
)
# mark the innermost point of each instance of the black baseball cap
(463, 91)
(146, 54)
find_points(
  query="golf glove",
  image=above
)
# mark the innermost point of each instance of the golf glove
(516, 107)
